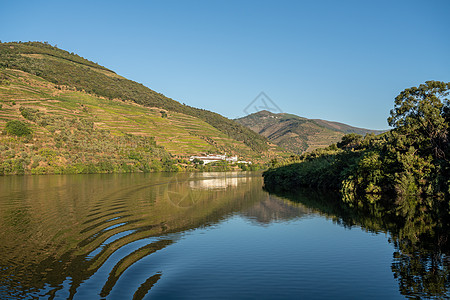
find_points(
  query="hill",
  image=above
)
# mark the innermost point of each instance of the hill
(85, 118)
(298, 134)
(64, 68)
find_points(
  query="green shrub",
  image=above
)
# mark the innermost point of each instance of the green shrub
(17, 128)
(28, 113)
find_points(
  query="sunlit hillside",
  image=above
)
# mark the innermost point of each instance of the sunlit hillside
(70, 126)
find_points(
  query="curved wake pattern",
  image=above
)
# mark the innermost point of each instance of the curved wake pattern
(91, 233)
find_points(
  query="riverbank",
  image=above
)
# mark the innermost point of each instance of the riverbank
(19, 166)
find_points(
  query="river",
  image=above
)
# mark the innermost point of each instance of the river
(183, 236)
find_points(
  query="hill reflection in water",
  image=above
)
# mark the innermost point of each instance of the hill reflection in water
(61, 230)
(130, 236)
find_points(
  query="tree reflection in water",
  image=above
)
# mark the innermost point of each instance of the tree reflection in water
(418, 228)
(59, 232)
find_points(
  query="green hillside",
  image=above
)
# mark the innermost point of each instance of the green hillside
(298, 134)
(63, 68)
(56, 117)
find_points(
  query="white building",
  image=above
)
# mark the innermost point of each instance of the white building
(214, 157)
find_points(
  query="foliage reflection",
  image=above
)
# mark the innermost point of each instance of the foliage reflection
(419, 230)
(60, 231)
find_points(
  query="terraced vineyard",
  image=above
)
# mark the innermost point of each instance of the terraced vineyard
(68, 69)
(78, 132)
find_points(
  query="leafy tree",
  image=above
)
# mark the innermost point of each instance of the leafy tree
(197, 161)
(350, 141)
(17, 128)
(28, 113)
(420, 116)
(273, 162)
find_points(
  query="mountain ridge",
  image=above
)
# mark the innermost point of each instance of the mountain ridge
(299, 134)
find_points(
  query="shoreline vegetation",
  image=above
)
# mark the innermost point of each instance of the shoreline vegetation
(410, 160)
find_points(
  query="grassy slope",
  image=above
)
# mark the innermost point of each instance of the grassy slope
(64, 68)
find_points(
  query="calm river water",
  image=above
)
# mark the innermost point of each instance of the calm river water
(183, 236)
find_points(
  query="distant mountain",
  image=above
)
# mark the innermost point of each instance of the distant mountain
(299, 134)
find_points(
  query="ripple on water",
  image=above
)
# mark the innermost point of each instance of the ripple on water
(120, 237)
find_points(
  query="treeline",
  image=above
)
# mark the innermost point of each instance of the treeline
(90, 77)
(47, 49)
(411, 159)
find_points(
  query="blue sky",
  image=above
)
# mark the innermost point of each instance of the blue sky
(336, 60)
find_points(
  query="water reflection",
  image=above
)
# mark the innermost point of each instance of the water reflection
(83, 236)
(59, 231)
(272, 209)
(210, 181)
(419, 230)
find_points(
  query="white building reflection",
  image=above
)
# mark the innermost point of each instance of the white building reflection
(220, 182)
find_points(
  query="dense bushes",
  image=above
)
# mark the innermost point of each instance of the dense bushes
(17, 128)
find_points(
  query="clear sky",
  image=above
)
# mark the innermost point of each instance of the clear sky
(335, 60)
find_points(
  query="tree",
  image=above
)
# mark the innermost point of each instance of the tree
(350, 141)
(17, 128)
(197, 161)
(419, 118)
